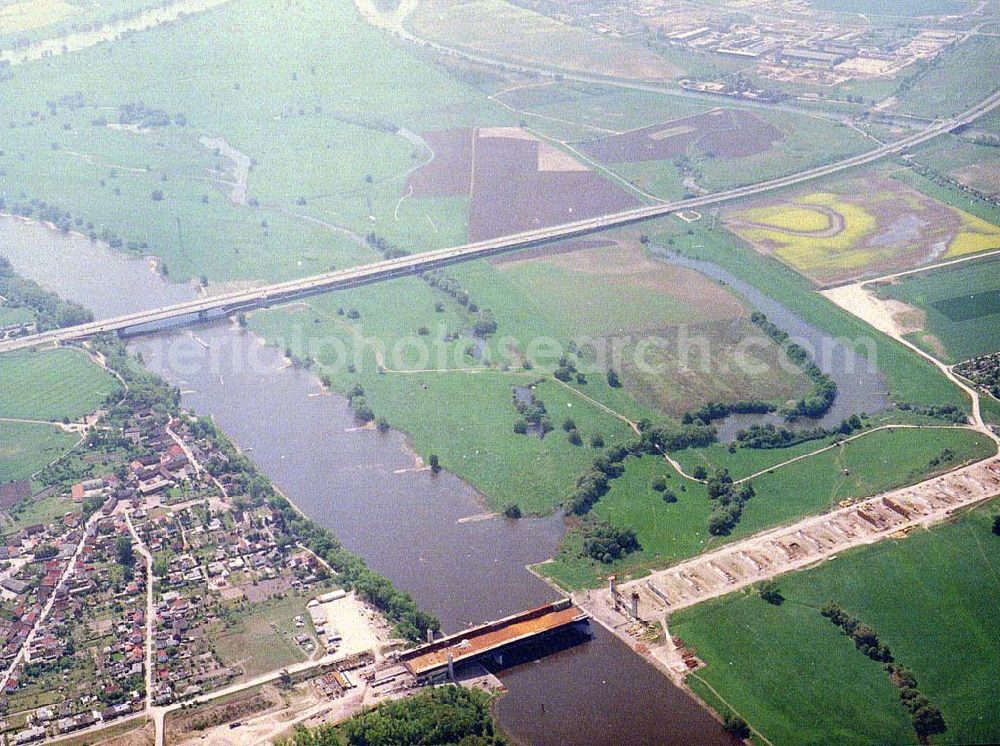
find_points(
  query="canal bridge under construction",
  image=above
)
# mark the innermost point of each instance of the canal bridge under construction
(437, 660)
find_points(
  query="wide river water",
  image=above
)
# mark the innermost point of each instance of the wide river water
(409, 525)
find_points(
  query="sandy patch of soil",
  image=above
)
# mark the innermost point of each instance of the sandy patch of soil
(550, 158)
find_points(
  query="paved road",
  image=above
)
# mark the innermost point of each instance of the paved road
(391, 268)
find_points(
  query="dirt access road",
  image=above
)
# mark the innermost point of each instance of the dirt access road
(858, 300)
(799, 545)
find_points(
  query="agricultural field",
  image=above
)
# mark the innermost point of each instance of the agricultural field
(27, 447)
(570, 111)
(511, 33)
(796, 678)
(719, 149)
(53, 385)
(670, 532)
(953, 312)
(850, 230)
(514, 181)
(726, 133)
(973, 165)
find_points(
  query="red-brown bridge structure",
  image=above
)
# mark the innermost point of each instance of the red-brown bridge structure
(437, 660)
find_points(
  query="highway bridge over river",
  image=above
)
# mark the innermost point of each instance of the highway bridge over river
(218, 306)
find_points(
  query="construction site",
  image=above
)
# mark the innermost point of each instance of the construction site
(794, 547)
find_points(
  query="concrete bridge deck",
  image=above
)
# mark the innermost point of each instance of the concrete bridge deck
(204, 308)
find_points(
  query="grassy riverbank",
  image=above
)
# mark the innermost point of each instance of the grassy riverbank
(672, 531)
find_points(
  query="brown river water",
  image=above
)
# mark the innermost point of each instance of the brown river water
(406, 523)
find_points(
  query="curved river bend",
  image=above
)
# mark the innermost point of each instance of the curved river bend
(408, 525)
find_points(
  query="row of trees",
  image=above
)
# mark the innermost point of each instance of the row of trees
(927, 719)
(769, 436)
(946, 412)
(824, 389)
(50, 310)
(249, 486)
(443, 715)
(864, 636)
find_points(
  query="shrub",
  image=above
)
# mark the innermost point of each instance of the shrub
(768, 591)
(735, 725)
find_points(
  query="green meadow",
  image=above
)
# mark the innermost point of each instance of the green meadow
(52, 385)
(932, 598)
(670, 532)
(27, 447)
(962, 307)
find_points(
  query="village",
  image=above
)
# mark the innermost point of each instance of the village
(165, 585)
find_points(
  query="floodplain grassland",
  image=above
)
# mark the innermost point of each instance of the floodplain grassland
(323, 128)
(669, 532)
(960, 305)
(26, 21)
(51, 385)
(27, 447)
(911, 378)
(448, 402)
(796, 678)
(509, 32)
(639, 311)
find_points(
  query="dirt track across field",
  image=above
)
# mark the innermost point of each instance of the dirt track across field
(807, 542)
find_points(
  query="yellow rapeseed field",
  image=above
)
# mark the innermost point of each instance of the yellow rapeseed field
(829, 252)
(977, 236)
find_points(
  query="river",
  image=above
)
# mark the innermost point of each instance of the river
(408, 524)
(861, 387)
